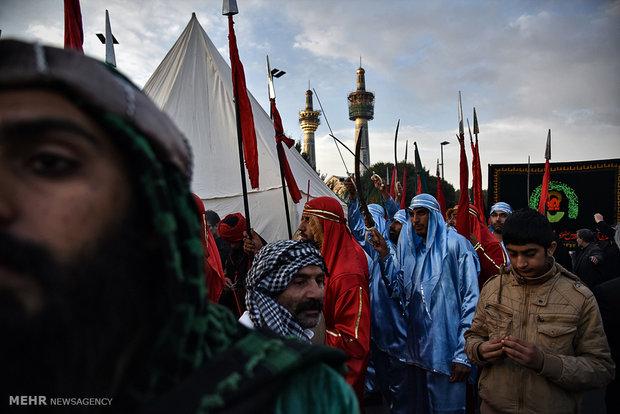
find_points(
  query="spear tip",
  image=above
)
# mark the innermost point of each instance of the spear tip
(476, 130)
(229, 7)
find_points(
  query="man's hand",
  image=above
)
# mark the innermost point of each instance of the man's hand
(350, 186)
(228, 284)
(378, 242)
(399, 191)
(593, 259)
(380, 185)
(251, 245)
(493, 350)
(598, 217)
(459, 372)
(523, 352)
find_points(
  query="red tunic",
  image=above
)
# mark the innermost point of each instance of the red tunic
(347, 302)
(214, 274)
(489, 250)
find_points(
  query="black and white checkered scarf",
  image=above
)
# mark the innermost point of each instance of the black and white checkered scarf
(273, 269)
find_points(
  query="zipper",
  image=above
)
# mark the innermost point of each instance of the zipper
(523, 335)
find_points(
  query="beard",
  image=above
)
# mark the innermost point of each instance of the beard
(310, 304)
(498, 228)
(93, 309)
(393, 236)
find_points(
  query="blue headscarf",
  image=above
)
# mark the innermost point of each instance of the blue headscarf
(427, 272)
(501, 206)
(401, 216)
(378, 215)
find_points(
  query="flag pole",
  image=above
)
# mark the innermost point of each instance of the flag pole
(462, 213)
(229, 8)
(528, 181)
(544, 191)
(279, 148)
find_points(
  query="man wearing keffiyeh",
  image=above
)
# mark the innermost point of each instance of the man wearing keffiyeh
(347, 302)
(285, 289)
(102, 287)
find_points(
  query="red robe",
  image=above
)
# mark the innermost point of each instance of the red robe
(490, 252)
(214, 274)
(347, 299)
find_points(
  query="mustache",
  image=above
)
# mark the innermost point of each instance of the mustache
(310, 304)
(28, 258)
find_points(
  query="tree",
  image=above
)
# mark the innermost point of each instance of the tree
(384, 170)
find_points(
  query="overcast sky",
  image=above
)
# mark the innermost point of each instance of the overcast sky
(526, 66)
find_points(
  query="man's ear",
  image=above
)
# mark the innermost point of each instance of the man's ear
(551, 249)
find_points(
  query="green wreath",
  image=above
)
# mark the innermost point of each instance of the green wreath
(573, 200)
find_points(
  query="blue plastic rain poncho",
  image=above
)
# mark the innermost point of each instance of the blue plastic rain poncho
(437, 280)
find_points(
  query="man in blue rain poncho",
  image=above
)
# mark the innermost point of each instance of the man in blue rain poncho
(436, 277)
(387, 371)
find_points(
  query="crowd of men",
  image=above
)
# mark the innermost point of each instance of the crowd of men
(109, 287)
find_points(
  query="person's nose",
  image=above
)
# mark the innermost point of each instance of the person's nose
(316, 291)
(521, 262)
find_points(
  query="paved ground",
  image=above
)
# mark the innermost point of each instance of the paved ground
(593, 403)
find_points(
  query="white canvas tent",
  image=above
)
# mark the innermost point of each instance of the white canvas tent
(193, 85)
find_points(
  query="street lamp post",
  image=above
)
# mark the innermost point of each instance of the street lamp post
(442, 144)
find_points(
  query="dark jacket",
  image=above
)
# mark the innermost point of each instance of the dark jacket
(590, 273)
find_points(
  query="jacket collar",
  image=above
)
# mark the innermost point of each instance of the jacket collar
(538, 279)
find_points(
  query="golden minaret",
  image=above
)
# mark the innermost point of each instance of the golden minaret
(309, 121)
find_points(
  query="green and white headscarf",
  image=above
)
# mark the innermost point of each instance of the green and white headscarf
(188, 331)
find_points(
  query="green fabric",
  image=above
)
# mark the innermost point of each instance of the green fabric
(319, 389)
(190, 330)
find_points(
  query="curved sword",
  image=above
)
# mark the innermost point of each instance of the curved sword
(396, 139)
(358, 183)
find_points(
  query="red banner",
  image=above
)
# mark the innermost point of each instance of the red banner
(246, 118)
(74, 35)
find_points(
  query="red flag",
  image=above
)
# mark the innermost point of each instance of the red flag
(476, 169)
(544, 191)
(74, 36)
(245, 117)
(440, 197)
(462, 214)
(281, 138)
(402, 198)
(476, 178)
(478, 195)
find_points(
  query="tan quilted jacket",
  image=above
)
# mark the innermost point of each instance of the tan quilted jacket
(557, 313)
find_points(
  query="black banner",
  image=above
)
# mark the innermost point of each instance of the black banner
(577, 190)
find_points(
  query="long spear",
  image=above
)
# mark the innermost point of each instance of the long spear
(285, 170)
(544, 192)
(462, 213)
(528, 181)
(478, 198)
(246, 135)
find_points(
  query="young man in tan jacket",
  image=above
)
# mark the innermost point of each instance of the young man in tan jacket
(537, 331)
